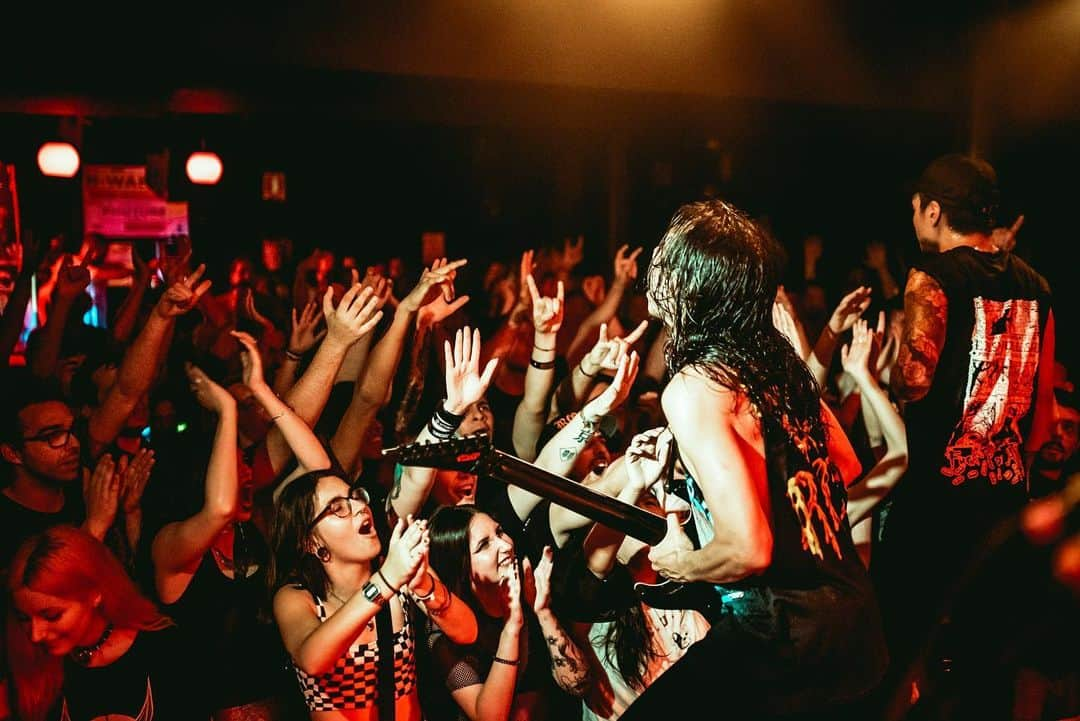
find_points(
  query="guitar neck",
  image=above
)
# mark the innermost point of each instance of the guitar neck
(631, 520)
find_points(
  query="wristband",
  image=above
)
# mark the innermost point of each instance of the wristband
(443, 423)
(587, 375)
(427, 596)
(541, 365)
(496, 659)
(293, 356)
(379, 573)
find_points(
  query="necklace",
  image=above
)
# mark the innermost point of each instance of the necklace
(83, 654)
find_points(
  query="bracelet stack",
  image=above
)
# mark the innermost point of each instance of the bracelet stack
(443, 423)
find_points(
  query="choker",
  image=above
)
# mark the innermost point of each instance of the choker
(83, 654)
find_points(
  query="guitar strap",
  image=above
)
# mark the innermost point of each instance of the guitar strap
(384, 628)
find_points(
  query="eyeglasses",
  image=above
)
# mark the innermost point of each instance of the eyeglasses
(55, 437)
(342, 506)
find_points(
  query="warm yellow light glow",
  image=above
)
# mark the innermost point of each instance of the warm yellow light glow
(204, 168)
(59, 160)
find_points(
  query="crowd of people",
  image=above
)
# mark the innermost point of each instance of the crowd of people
(849, 478)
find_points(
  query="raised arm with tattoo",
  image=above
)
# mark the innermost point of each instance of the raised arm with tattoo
(178, 548)
(925, 314)
(568, 665)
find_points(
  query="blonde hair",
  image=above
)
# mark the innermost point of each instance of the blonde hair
(69, 563)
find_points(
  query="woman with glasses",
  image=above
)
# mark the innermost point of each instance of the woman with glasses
(329, 588)
(210, 574)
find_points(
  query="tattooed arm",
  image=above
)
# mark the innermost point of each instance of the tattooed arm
(925, 313)
(568, 665)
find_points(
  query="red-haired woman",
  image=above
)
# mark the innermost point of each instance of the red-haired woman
(83, 643)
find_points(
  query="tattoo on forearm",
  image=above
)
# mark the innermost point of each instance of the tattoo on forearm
(926, 311)
(565, 454)
(567, 664)
(586, 432)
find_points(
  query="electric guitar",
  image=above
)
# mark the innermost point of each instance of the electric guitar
(476, 454)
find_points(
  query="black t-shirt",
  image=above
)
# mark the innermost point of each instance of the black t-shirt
(17, 522)
(156, 680)
(966, 436)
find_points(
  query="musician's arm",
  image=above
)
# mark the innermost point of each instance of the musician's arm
(731, 474)
(923, 337)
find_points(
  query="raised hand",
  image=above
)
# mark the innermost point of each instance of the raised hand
(512, 582)
(849, 310)
(607, 352)
(101, 492)
(303, 337)
(72, 278)
(464, 383)
(208, 394)
(407, 550)
(355, 316)
(183, 295)
(176, 267)
(572, 253)
(1005, 238)
(856, 356)
(250, 360)
(547, 312)
(141, 271)
(536, 584)
(647, 457)
(439, 310)
(133, 478)
(626, 268)
(438, 278)
(617, 391)
(250, 311)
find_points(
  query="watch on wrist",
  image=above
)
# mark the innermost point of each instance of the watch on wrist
(372, 593)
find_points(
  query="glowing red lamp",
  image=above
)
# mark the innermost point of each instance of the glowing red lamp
(204, 168)
(58, 160)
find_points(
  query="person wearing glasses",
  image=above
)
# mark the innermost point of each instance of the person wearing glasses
(328, 585)
(44, 475)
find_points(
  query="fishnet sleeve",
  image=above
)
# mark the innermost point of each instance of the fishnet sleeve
(459, 664)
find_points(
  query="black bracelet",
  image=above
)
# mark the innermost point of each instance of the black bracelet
(293, 356)
(587, 375)
(496, 659)
(393, 591)
(544, 349)
(541, 365)
(443, 423)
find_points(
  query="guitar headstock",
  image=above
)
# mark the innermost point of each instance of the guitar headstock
(461, 454)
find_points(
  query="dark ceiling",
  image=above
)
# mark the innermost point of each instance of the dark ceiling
(915, 56)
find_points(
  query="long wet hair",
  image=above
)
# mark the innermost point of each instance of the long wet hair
(628, 646)
(714, 279)
(293, 560)
(67, 562)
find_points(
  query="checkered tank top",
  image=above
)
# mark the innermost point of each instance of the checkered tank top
(353, 682)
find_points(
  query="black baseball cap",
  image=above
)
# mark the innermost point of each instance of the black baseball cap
(962, 183)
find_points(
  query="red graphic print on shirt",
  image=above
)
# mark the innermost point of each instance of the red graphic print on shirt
(1001, 378)
(810, 491)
